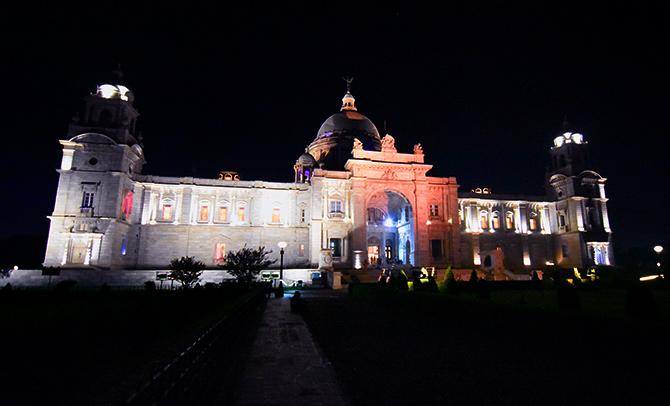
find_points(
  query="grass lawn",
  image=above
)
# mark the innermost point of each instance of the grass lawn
(92, 347)
(434, 349)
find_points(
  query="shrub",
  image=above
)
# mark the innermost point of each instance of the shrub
(473, 279)
(431, 285)
(150, 285)
(186, 270)
(7, 287)
(104, 288)
(211, 286)
(450, 283)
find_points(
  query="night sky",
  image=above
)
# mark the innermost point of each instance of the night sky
(483, 87)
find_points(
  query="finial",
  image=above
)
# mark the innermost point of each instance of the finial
(118, 73)
(348, 79)
(348, 101)
(566, 125)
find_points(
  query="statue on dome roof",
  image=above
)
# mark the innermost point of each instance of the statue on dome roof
(357, 144)
(388, 144)
(418, 149)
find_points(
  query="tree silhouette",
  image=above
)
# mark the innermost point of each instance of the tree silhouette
(247, 263)
(186, 270)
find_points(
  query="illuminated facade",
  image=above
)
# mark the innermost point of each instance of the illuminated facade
(355, 202)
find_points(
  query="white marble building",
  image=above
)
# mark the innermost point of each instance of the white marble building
(354, 199)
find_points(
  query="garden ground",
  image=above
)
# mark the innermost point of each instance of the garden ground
(93, 347)
(515, 348)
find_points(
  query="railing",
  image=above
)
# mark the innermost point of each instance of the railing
(182, 379)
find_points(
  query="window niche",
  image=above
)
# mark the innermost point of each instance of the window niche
(203, 211)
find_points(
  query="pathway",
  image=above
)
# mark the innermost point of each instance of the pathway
(286, 367)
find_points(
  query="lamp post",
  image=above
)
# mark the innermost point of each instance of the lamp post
(658, 249)
(281, 245)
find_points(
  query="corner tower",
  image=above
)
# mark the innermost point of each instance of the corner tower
(93, 222)
(582, 220)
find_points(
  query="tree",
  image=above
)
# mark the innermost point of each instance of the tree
(186, 270)
(247, 263)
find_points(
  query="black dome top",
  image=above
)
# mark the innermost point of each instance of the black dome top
(348, 122)
(306, 159)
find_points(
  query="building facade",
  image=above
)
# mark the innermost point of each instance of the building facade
(355, 202)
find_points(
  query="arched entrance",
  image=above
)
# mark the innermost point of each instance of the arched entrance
(390, 229)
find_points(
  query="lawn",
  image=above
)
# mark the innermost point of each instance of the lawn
(406, 348)
(93, 347)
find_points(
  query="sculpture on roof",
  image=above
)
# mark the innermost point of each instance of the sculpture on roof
(418, 149)
(357, 144)
(388, 144)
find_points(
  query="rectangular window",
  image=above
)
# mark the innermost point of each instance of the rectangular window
(484, 220)
(167, 212)
(204, 212)
(240, 214)
(276, 215)
(561, 219)
(87, 199)
(436, 248)
(533, 223)
(219, 251)
(564, 250)
(223, 213)
(336, 247)
(123, 246)
(301, 250)
(302, 215)
(335, 206)
(509, 221)
(434, 211)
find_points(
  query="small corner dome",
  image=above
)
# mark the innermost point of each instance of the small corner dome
(306, 159)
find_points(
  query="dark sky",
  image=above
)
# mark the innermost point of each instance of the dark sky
(483, 87)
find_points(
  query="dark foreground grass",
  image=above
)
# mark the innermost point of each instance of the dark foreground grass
(96, 347)
(433, 349)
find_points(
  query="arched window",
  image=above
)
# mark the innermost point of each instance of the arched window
(509, 220)
(484, 219)
(495, 219)
(532, 221)
(388, 251)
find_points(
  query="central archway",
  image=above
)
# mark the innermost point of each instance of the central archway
(390, 229)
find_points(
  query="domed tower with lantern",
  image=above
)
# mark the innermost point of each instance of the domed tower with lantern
(582, 221)
(335, 139)
(97, 205)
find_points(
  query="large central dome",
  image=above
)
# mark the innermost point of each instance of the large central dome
(335, 139)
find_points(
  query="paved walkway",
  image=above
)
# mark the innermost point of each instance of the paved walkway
(286, 367)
